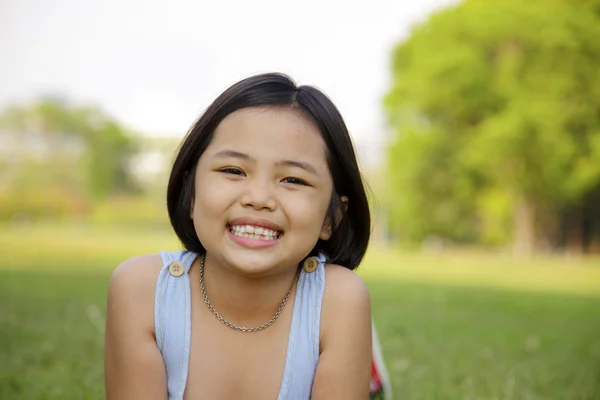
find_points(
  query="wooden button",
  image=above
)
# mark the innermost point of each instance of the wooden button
(310, 264)
(176, 268)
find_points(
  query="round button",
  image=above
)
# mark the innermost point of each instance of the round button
(176, 268)
(310, 264)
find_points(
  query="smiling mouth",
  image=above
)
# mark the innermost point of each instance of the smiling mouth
(254, 232)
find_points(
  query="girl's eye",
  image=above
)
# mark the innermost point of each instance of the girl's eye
(234, 171)
(295, 181)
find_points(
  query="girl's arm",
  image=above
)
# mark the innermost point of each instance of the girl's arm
(344, 368)
(134, 369)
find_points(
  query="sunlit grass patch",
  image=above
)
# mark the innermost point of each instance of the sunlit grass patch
(555, 274)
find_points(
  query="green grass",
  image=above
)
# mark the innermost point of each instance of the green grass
(453, 326)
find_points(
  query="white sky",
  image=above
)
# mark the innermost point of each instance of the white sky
(156, 65)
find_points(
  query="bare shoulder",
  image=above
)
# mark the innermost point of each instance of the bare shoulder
(344, 286)
(133, 365)
(346, 301)
(137, 273)
(130, 302)
(132, 284)
(344, 366)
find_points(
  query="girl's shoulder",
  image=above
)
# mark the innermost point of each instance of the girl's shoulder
(133, 363)
(133, 283)
(343, 284)
(137, 274)
(344, 365)
(345, 296)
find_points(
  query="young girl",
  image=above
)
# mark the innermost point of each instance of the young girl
(267, 199)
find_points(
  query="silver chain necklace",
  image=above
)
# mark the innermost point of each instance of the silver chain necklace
(229, 324)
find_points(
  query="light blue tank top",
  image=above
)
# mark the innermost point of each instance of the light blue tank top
(172, 322)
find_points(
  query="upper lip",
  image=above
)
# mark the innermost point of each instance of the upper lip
(256, 222)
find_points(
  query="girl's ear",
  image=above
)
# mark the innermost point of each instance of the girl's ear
(328, 225)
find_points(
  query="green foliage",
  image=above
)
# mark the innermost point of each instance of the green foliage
(494, 98)
(61, 156)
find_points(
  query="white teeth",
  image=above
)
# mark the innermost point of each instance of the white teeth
(254, 232)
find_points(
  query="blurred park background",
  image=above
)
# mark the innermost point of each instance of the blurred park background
(477, 125)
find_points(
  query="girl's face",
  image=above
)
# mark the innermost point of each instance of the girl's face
(262, 191)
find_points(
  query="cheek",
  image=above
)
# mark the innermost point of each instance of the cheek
(211, 197)
(210, 213)
(308, 212)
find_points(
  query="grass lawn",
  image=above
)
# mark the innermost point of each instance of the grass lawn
(452, 326)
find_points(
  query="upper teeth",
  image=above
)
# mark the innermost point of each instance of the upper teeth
(257, 230)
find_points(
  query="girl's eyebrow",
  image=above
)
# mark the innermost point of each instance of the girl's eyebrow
(287, 163)
(232, 153)
(298, 164)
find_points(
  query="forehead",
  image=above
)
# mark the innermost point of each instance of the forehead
(270, 134)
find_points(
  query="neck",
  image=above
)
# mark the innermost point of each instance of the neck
(242, 300)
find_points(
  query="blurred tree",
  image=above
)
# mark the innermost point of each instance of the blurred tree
(70, 155)
(496, 121)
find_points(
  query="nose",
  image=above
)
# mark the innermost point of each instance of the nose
(259, 194)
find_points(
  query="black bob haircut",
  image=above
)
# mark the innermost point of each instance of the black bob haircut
(352, 227)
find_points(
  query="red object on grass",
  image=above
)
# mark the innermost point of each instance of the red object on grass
(376, 385)
(380, 382)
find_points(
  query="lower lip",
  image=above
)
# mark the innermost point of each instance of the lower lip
(251, 243)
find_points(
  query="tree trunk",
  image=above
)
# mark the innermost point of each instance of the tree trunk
(524, 228)
(591, 222)
(548, 229)
(594, 245)
(574, 234)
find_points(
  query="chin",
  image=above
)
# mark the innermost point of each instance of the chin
(254, 262)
